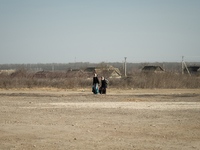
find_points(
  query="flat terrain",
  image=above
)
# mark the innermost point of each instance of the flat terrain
(137, 119)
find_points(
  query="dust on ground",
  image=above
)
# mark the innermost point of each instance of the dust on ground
(136, 119)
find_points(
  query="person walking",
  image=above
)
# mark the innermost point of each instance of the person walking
(95, 84)
(103, 87)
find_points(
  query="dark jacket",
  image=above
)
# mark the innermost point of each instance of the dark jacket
(95, 80)
(103, 83)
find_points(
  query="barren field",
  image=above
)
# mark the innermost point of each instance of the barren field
(137, 119)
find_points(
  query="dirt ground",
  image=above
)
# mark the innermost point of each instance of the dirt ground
(137, 119)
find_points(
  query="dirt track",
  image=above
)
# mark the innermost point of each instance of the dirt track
(128, 119)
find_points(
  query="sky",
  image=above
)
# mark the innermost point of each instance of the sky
(63, 31)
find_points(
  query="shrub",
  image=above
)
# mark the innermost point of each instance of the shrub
(24, 79)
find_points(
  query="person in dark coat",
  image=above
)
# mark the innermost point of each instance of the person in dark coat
(95, 81)
(103, 85)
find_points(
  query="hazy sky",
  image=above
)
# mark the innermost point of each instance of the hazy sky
(62, 31)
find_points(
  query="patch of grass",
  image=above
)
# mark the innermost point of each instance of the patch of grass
(25, 79)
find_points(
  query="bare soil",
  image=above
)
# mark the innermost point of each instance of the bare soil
(137, 119)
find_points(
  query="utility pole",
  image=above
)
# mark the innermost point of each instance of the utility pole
(53, 67)
(187, 68)
(125, 67)
(30, 66)
(182, 65)
(75, 63)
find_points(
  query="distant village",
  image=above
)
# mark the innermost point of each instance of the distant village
(110, 70)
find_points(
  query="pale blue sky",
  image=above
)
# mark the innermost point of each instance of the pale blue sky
(62, 31)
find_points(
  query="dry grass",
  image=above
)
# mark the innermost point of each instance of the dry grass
(24, 79)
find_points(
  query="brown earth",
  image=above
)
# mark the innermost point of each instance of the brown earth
(137, 119)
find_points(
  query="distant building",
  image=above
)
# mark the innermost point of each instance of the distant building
(91, 70)
(8, 72)
(76, 73)
(154, 69)
(41, 74)
(192, 69)
(109, 71)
